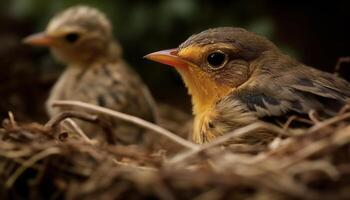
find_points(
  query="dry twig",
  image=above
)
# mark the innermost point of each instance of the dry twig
(35, 158)
(222, 139)
(78, 130)
(328, 122)
(129, 118)
(70, 114)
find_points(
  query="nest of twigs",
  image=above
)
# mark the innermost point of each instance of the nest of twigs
(38, 162)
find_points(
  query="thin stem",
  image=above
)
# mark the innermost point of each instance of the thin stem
(129, 118)
(78, 130)
(222, 139)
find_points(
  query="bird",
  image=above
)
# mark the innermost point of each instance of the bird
(81, 38)
(236, 77)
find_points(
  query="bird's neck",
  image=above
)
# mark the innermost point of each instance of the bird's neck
(109, 54)
(205, 91)
(113, 51)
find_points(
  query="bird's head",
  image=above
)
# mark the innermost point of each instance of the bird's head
(214, 62)
(78, 34)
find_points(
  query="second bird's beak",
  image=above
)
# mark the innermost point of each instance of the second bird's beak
(168, 57)
(39, 39)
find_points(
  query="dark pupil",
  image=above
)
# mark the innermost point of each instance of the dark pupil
(216, 59)
(72, 37)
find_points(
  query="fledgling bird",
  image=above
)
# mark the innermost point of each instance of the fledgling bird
(96, 73)
(236, 77)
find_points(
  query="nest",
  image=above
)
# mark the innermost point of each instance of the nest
(38, 162)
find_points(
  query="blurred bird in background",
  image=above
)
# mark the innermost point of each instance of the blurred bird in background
(236, 78)
(96, 73)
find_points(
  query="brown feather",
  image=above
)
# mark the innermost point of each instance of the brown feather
(264, 82)
(96, 73)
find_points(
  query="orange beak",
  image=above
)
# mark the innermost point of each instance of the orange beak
(39, 39)
(168, 57)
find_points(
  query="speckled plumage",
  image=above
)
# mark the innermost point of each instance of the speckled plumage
(96, 72)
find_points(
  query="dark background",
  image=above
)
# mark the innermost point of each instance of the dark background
(316, 33)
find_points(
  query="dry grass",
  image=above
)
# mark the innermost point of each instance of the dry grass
(40, 162)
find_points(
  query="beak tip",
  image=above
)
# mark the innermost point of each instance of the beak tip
(145, 56)
(167, 57)
(148, 56)
(38, 39)
(25, 40)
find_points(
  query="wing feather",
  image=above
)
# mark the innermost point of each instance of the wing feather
(322, 92)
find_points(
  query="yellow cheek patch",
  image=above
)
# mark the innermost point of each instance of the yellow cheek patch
(204, 90)
(192, 53)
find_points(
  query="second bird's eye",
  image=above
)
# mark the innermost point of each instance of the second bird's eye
(71, 37)
(216, 59)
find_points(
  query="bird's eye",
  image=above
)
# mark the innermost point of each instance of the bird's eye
(71, 37)
(216, 59)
